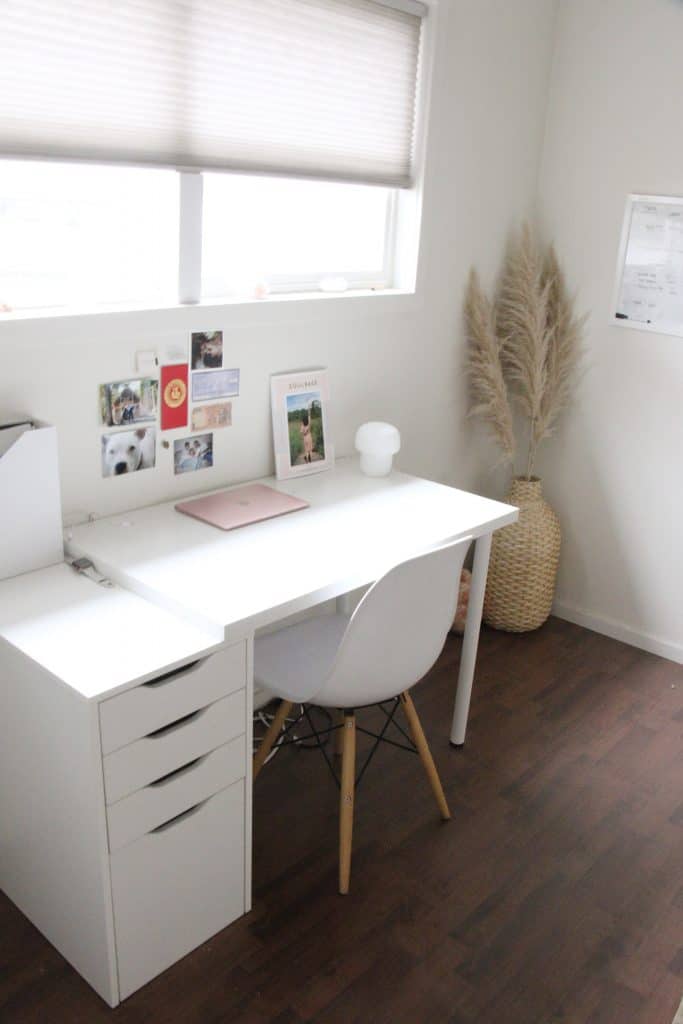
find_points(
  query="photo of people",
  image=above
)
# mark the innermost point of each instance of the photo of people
(305, 423)
(206, 350)
(126, 402)
(192, 453)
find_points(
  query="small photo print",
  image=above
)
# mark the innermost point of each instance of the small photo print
(215, 384)
(305, 424)
(192, 453)
(127, 451)
(126, 402)
(206, 350)
(212, 417)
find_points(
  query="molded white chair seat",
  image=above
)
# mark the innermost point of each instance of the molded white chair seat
(292, 662)
(389, 643)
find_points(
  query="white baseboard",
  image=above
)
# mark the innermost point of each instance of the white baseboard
(618, 631)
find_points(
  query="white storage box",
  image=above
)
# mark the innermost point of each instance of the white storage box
(30, 501)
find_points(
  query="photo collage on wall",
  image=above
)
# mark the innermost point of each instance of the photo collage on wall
(133, 408)
(131, 404)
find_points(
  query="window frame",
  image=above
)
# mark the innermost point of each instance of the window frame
(188, 289)
(399, 291)
(190, 253)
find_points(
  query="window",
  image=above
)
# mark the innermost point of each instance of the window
(222, 149)
(78, 236)
(292, 235)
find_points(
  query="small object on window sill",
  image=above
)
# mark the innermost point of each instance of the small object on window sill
(333, 284)
(377, 444)
(261, 290)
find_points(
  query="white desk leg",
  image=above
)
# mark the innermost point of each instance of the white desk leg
(482, 550)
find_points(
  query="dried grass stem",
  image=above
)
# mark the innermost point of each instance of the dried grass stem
(523, 347)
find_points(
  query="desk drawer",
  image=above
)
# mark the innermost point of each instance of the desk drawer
(177, 886)
(154, 756)
(152, 705)
(144, 810)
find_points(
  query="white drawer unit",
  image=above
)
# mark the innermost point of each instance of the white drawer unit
(163, 700)
(173, 746)
(144, 810)
(177, 886)
(135, 762)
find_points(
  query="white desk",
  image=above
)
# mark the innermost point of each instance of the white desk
(125, 732)
(355, 528)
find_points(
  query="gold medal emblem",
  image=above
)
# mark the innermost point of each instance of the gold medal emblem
(175, 393)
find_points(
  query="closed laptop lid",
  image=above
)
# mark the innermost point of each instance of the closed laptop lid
(239, 507)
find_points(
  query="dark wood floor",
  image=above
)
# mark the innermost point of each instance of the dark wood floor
(555, 895)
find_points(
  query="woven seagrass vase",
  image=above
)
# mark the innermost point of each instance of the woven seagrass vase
(523, 566)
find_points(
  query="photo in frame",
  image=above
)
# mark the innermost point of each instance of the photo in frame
(301, 438)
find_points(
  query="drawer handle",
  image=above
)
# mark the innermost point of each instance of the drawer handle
(168, 676)
(177, 772)
(179, 817)
(178, 724)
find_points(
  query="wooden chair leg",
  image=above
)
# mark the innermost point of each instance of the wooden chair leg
(339, 734)
(425, 753)
(346, 798)
(266, 744)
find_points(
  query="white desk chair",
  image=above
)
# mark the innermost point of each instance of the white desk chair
(392, 639)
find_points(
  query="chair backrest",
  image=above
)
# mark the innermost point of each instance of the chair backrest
(397, 631)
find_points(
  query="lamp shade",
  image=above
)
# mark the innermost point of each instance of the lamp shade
(377, 444)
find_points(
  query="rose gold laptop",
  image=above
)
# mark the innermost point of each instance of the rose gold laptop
(251, 504)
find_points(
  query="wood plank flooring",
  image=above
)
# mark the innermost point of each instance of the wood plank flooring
(554, 896)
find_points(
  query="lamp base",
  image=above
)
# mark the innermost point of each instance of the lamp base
(375, 465)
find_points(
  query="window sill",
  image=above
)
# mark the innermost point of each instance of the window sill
(283, 306)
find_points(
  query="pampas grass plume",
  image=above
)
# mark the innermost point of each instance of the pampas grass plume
(487, 384)
(526, 345)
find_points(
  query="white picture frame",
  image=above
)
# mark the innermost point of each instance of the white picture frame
(301, 437)
(648, 287)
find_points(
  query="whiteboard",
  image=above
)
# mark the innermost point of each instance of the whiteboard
(648, 293)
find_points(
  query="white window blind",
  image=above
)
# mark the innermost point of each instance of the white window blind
(324, 88)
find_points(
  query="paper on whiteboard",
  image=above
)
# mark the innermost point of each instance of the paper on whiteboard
(652, 279)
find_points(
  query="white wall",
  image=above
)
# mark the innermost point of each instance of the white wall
(615, 472)
(402, 365)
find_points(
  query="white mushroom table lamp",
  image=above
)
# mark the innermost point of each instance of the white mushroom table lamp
(377, 444)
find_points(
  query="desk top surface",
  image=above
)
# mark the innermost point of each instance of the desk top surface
(97, 640)
(355, 528)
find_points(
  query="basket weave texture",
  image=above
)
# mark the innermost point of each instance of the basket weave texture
(524, 559)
